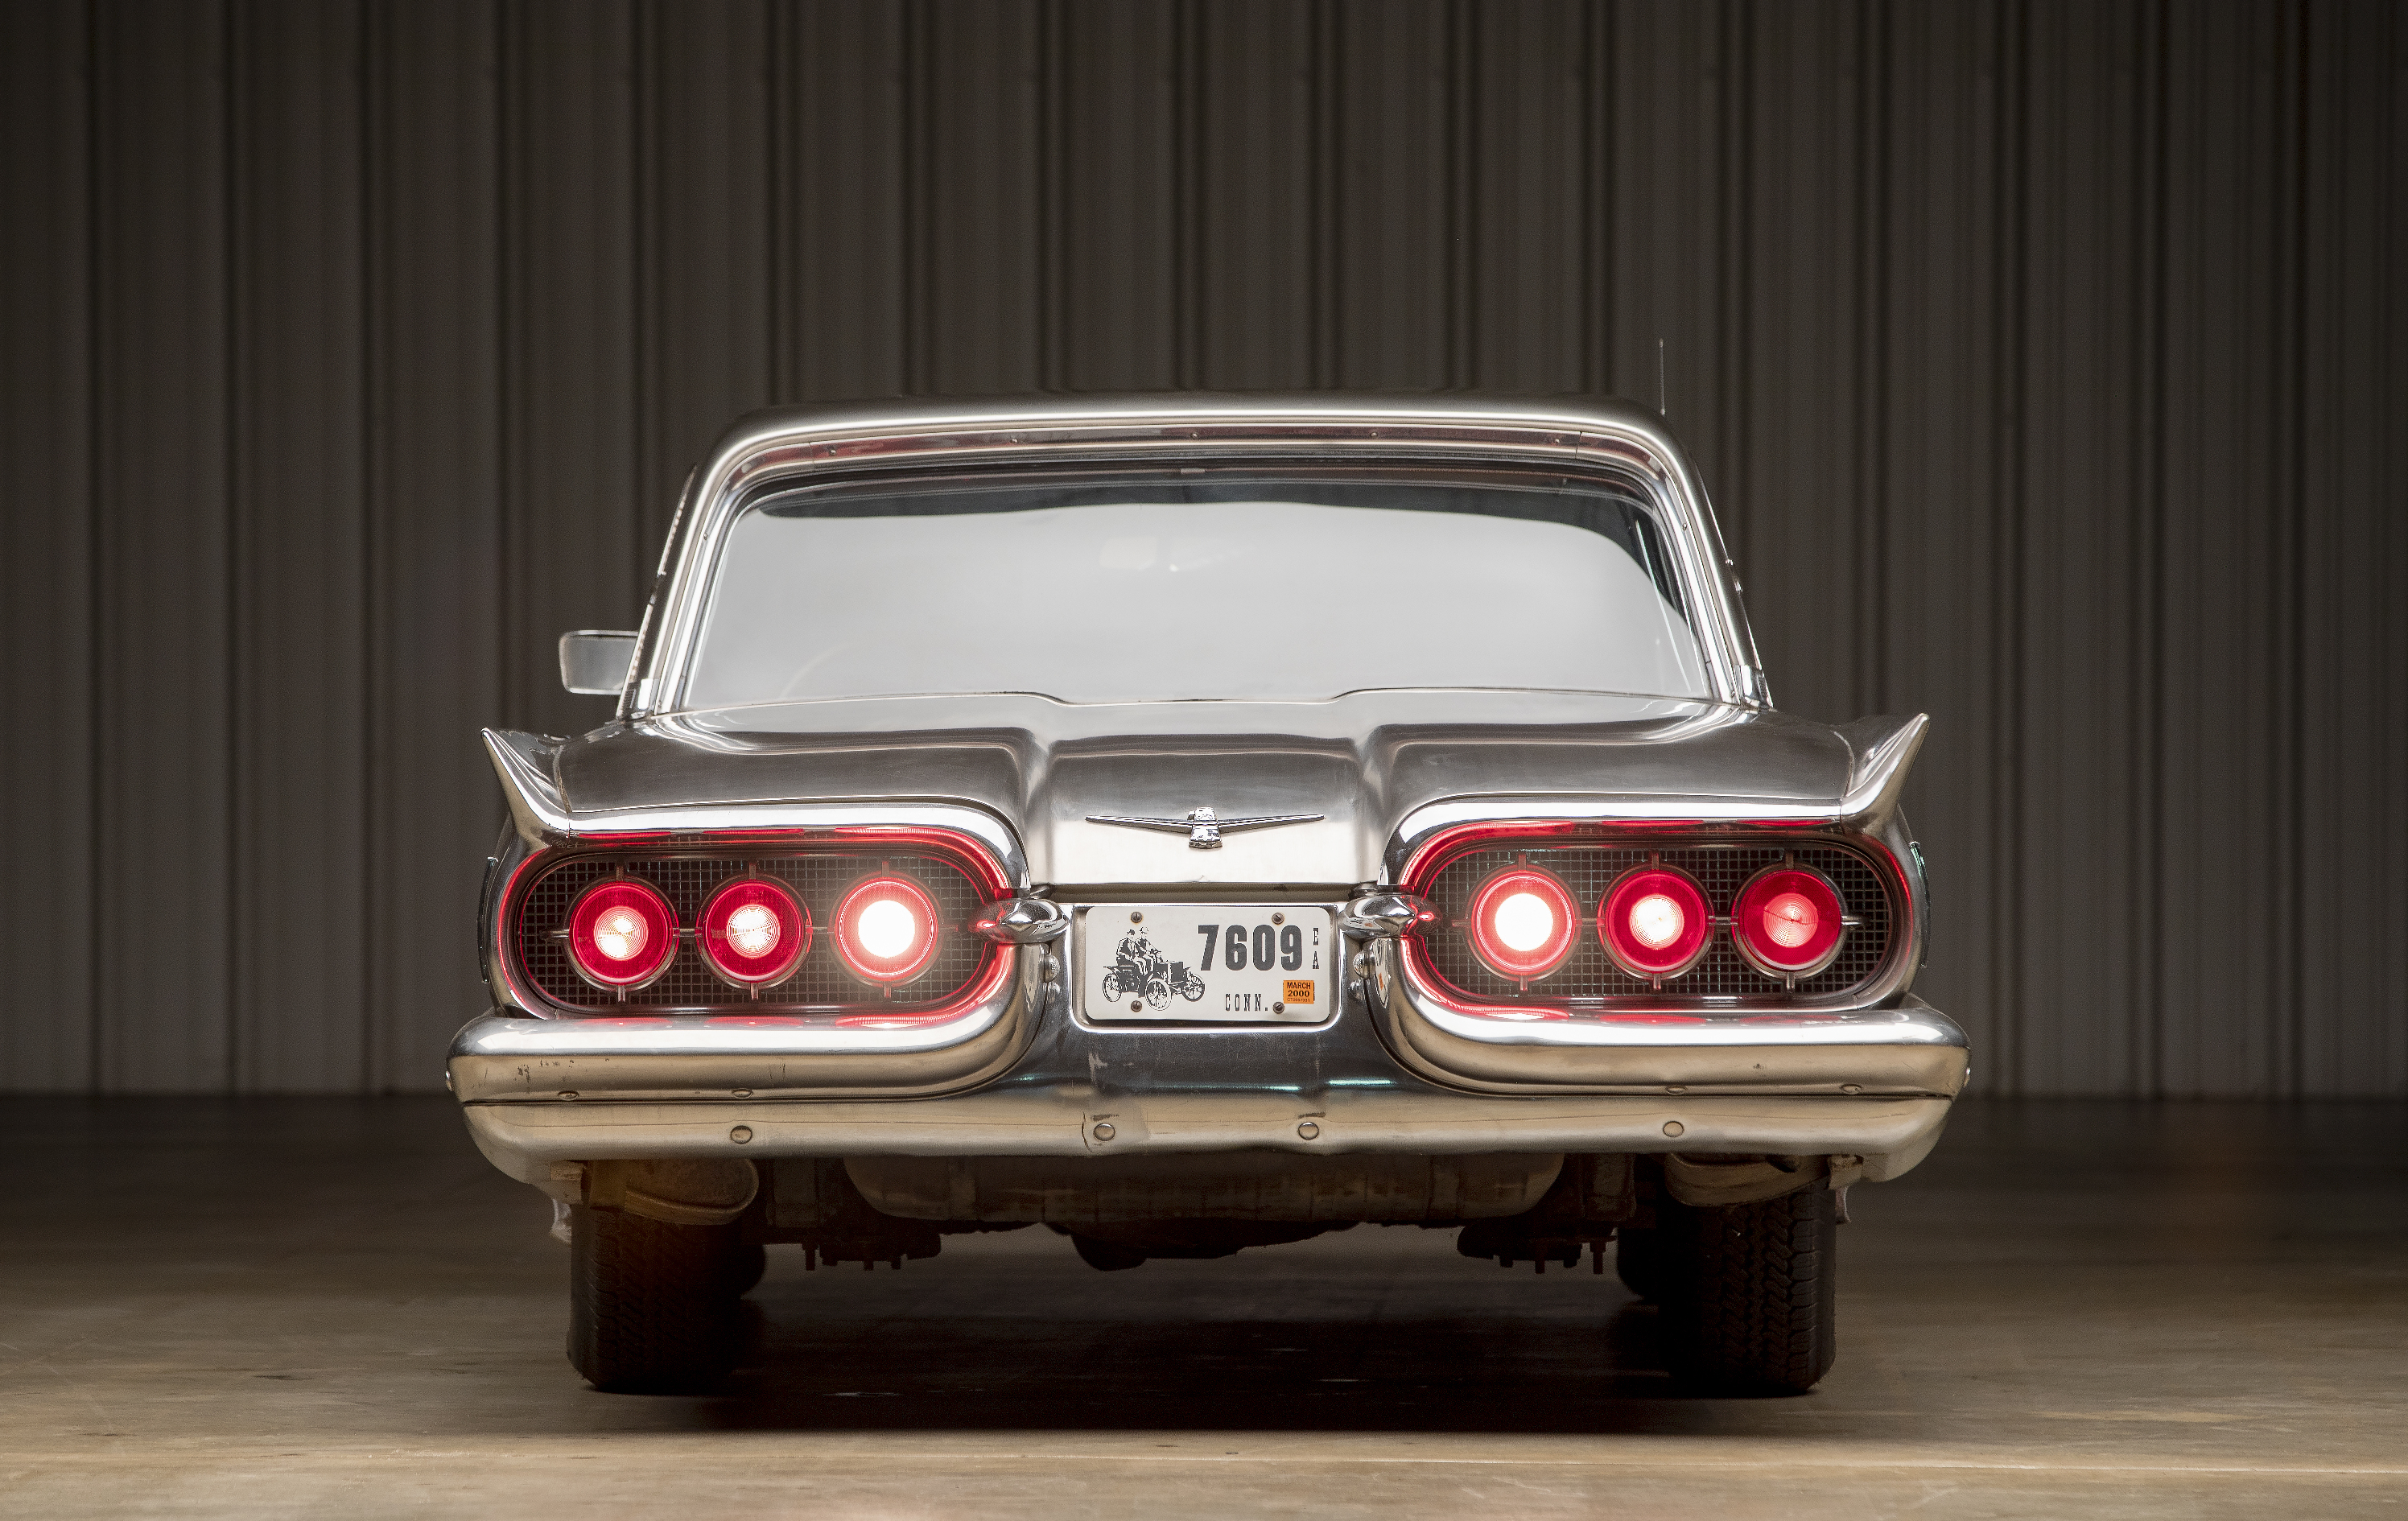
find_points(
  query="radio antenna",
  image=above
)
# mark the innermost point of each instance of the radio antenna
(1660, 410)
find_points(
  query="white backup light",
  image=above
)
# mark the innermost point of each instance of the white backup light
(1790, 920)
(1524, 922)
(753, 931)
(621, 934)
(888, 929)
(1656, 921)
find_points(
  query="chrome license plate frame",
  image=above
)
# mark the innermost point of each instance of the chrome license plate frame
(1146, 964)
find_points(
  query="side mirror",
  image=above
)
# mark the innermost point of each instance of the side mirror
(593, 661)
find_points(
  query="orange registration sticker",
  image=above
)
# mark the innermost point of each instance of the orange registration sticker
(1296, 990)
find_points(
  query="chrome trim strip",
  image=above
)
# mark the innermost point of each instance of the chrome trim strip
(1890, 1134)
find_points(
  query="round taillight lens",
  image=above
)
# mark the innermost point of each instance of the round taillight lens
(1786, 922)
(1654, 922)
(755, 931)
(1524, 923)
(886, 929)
(622, 933)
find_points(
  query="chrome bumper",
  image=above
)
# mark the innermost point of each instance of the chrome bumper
(524, 1139)
(1393, 1072)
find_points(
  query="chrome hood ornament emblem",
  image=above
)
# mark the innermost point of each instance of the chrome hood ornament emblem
(1202, 827)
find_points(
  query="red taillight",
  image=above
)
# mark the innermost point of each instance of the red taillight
(886, 929)
(1786, 921)
(755, 931)
(1524, 922)
(1654, 922)
(622, 933)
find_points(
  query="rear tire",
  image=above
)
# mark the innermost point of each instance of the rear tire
(1747, 1291)
(651, 1307)
(1639, 1262)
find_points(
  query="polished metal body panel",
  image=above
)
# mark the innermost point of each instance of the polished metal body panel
(1369, 785)
(1384, 771)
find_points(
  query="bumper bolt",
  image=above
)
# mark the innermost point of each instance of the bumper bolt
(568, 1093)
(1104, 1130)
(1851, 1087)
(1673, 1127)
(1308, 1130)
(742, 1093)
(741, 1134)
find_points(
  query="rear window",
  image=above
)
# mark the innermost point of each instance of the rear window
(1192, 585)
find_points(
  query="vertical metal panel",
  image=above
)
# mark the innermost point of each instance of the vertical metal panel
(978, 260)
(1387, 188)
(1250, 241)
(435, 478)
(2349, 818)
(1524, 87)
(2044, 357)
(298, 563)
(1805, 527)
(163, 609)
(2076, 712)
(1940, 512)
(703, 264)
(45, 524)
(568, 365)
(1679, 277)
(1114, 159)
(839, 283)
(2215, 582)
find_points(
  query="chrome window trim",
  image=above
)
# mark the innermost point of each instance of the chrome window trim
(781, 449)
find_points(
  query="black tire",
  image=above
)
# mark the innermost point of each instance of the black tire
(1639, 1262)
(651, 1307)
(745, 1266)
(1107, 1257)
(1747, 1293)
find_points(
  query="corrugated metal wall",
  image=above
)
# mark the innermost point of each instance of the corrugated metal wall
(2048, 359)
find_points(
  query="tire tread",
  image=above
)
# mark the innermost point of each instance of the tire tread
(1754, 1313)
(651, 1306)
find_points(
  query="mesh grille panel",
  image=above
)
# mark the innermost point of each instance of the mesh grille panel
(1589, 974)
(819, 983)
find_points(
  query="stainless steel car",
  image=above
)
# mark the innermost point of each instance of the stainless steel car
(1195, 823)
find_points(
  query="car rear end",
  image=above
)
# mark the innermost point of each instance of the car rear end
(850, 971)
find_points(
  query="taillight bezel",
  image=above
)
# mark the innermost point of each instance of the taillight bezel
(1757, 894)
(876, 971)
(586, 958)
(1502, 960)
(1658, 964)
(726, 960)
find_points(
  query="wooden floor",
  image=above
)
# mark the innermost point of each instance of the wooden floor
(321, 1306)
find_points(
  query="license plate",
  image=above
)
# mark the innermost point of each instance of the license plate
(1239, 963)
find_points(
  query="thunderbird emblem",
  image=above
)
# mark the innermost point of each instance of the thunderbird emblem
(1202, 827)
